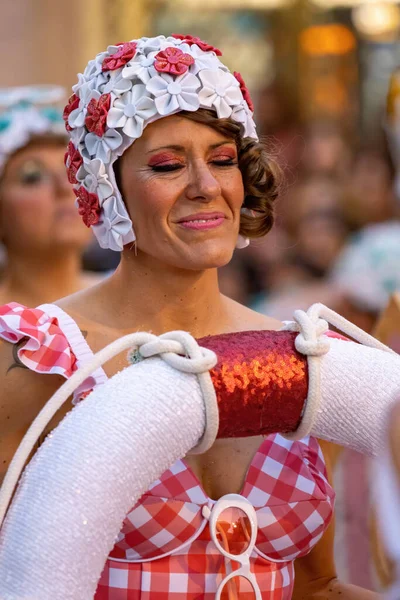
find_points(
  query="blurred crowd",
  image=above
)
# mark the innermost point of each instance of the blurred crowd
(336, 238)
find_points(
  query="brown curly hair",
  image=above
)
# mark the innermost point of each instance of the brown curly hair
(261, 174)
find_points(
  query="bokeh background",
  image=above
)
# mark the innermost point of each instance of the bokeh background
(318, 72)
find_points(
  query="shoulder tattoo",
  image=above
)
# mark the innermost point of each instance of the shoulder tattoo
(16, 360)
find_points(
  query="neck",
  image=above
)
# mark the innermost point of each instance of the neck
(163, 298)
(37, 278)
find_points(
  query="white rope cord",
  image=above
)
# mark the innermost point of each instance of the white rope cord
(311, 341)
(177, 348)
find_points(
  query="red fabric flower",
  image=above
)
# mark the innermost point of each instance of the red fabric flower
(73, 161)
(88, 206)
(244, 90)
(190, 39)
(123, 55)
(96, 116)
(73, 103)
(173, 61)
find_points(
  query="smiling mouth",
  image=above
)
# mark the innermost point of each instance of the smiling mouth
(202, 223)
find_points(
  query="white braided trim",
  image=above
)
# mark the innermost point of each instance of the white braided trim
(170, 346)
(311, 341)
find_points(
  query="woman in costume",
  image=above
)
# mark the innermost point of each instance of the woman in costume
(39, 226)
(166, 166)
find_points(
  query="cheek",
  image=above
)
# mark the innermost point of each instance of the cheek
(152, 202)
(21, 206)
(233, 190)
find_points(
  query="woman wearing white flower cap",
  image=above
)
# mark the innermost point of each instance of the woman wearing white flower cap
(43, 254)
(167, 168)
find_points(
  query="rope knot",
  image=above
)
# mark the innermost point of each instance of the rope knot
(311, 340)
(177, 348)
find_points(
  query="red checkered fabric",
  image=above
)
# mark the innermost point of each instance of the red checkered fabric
(49, 342)
(46, 349)
(192, 573)
(164, 551)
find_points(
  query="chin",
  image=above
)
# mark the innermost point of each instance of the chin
(211, 258)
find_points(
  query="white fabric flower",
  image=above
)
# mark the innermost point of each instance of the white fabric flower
(93, 83)
(220, 90)
(95, 66)
(117, 84)
(242, 115)
(154, 44)
(131, 110)
(174, 41)
(174, 93)
(115, 227)
(93, 175)
(141, 67)
(203, 60)
(77, 116)
(102, 147)
(81, 82)
(94, 73)
(77, 136)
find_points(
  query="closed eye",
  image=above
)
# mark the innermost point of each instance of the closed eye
(225, 163)
(167, 168)
(230, 162)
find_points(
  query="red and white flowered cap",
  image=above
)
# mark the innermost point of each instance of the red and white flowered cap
(120, 92)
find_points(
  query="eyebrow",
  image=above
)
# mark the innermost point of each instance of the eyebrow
(179, 148)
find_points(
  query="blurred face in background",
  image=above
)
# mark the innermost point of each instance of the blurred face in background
(369, 192)
(315, 221)
(325, 151)
(37, 203)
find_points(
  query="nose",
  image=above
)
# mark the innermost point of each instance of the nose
(203, 185)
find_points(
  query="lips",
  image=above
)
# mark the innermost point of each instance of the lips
(202, 217)
(202, 221)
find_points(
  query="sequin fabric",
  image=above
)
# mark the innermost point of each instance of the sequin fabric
(261, 382)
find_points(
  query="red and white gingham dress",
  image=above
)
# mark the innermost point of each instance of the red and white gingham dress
(164, 550)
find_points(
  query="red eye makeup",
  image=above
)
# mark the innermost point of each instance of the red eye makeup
(164, 158)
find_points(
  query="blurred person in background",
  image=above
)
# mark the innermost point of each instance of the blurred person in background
(42, 234)
(369, 196)
(363, 277)
(320, 229)
(326, 150)
(367, 272)
(312, 233)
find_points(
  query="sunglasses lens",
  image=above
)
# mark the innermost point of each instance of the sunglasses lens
(239, 588)
(233, 529)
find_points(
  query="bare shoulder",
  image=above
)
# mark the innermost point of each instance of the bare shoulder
(23, 394)
(246, 318)
(83, 302)
(89, 309)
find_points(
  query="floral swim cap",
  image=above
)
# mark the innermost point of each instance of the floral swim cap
(120, 92)
(26, 112)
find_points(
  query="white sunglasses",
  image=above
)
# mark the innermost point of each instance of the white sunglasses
(233, 529)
